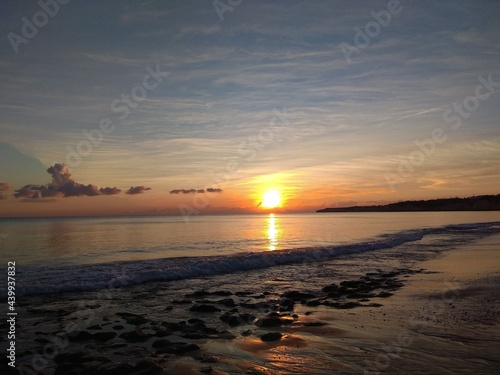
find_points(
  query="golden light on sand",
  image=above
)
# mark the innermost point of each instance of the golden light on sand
(271, 199)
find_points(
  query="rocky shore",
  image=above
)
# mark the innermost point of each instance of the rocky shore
(122, 342)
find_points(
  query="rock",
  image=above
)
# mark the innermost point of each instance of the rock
(197, 294)
(181, 302)
(222, 293)
(206, 358)
(315, 324)
(118, 327)
(133, 319)
(226, 302)
(384, 294)
(271, 336)
(298, 296)
(147, 367)
(204, 308)
(330, 288)
(360, 295)
(350, 283)
(248, 332)
(162, 333)
(313, 302)
(114, 369)
(195, 321)
(342, 305)
(103, 336)
(230, 319)
(82, 336)
(243, 294)
(178, 348)
(273, 322)
(135, 336)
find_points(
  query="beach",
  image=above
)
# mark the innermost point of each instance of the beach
(425, 306)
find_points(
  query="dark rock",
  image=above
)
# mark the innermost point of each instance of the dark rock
(271, 336)
(384, 294)
(181, 302)
(248, 332)
(95, 327)
(374, 305)
(147, 367)
(194, 335)
(195, 321)
(315, 324)
(118, 327)
(114, 369)
(103, 336)
(227, 302)
(297, 296)
(162, 333)
(178, 348)
(330, 288)
(226, 335)
(350, 283)
(222, 293)
(258, 305)
(204, 308)
(198, 294)
(342, 305)
(243, 294)
(273, 322)
(230, 319)
(206, 358)
(359, 295)
(82, 336)
(335, 294)
(135, 336)
(313, 302)
(133, 319)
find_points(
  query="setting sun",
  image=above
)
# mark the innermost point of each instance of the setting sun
(271, 199)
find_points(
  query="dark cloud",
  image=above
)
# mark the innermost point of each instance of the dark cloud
(137, 190)
(62, 184)
(109, 190)
(214, 190)
(3, 187)
(193, 191)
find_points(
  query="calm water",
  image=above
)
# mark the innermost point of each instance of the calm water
(73, 241)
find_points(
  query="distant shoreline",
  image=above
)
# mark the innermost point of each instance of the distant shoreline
(476, 203)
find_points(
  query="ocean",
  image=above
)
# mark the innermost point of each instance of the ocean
(137, 295)
(54, 255)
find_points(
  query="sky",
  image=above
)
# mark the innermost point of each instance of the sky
(199, 107)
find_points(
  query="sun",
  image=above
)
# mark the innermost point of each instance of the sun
(271, 199)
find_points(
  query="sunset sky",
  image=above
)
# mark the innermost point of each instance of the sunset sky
(205, 106)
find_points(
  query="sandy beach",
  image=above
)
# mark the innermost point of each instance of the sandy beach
(392, 315)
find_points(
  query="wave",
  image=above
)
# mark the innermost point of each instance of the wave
(75, 278)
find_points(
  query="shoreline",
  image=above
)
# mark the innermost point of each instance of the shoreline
(429, 322)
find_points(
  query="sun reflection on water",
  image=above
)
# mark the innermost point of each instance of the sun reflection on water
(272, 232)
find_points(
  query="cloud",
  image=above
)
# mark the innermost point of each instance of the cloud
(109, 190)
(62, 184)
(193, 191)
(137, 190)
(214, 190)
(3, 187)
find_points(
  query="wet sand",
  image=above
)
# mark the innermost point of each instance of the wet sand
(437, 316)
(445, 320)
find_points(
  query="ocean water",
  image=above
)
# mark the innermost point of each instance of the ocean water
(54, 255)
